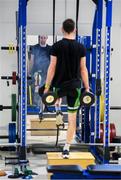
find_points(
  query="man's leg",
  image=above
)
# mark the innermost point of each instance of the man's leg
(73, 102)
(70, 133)
(71, 127)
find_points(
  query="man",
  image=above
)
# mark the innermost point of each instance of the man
(38, 66)
(66, 70)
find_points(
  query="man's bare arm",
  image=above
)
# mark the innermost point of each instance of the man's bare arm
(84, 73)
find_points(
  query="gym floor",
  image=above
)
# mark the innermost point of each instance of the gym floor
(38, 162)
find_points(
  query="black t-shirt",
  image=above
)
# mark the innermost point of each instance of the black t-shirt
(68, 53)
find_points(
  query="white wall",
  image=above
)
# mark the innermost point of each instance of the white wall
(39, 17)
(8, 62)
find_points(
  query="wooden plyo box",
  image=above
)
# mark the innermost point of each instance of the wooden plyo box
(46, 123)
(76, 158)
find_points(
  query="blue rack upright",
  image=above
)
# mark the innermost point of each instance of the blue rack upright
(96, 71)
(107, 80)
(22, 76)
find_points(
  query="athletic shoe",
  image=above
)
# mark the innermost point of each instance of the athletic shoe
(65, 154)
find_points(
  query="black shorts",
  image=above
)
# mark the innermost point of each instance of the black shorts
(73, 98)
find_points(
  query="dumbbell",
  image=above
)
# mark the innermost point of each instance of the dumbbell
(87, 98)
(48, 98)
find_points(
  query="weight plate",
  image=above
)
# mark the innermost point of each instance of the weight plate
(101, 108)
(112, 132)
(14, 77)
(13, 107)
(87, 99)
(49, 98)
(12, 132)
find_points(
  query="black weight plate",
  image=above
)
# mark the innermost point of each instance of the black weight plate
(87, 99)
(49, 98)
(13, 104)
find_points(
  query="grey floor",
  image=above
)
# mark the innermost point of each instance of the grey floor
(38, 163)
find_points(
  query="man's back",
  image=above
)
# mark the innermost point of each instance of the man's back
(68, 53)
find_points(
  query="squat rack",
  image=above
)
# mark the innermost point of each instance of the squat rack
(96, 80)
(22, 72)
(96, 58)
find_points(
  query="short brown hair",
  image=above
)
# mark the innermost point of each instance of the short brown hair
(68, 25)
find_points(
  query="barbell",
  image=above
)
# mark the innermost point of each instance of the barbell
(14, 77)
